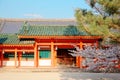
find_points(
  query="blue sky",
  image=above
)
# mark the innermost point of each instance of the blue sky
(40, 8)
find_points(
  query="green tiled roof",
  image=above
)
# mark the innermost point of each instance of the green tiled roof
(50, 31)
(12, 39)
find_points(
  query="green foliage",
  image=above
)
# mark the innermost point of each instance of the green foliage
(110, 6)
(105, 23)
(72, 31)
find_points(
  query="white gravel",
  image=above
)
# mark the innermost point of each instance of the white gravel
(58, 76)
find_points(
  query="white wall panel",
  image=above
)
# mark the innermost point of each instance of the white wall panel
(45, 62)
(9, 63)
(27, 63)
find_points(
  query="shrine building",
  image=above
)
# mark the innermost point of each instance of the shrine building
(41, 42)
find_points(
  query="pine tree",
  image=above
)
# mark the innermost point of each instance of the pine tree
(103, 20)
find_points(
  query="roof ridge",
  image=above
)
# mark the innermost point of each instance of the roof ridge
(37, 19)
(49, 25)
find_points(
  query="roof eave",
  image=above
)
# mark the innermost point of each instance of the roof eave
(59, 37)
(12, 45)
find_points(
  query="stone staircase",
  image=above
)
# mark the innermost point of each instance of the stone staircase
(40, 69)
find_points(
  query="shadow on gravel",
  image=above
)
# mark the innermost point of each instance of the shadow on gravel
(77, 74)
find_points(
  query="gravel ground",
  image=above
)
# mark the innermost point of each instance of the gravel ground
(58, 76)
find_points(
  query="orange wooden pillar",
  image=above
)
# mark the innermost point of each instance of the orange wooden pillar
(79, 58)
(37, 58)
(19, 59)
(16, 57)
(52, 54)
(35, 55)
(77, 61)
(55, 57)
(97, 44)
(1, 59)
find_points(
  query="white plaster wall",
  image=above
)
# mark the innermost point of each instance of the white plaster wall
(27, 63)
(9, 63)
(45, 62)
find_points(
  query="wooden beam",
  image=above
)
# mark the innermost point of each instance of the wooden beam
(60, 37)
(17, 45)
(44, 44)
(63, 44)
(13, 50)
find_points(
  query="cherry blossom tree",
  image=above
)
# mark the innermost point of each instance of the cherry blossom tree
(102, 59)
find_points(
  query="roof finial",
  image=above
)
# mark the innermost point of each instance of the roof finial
(26, 26)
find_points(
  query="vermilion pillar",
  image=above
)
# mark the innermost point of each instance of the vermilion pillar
(79, 58)
(1, 59)
(35, 55)
(97, 44)
(52, 54)
(77, 61)
(16, 57)
(55, 58)
(19, 59)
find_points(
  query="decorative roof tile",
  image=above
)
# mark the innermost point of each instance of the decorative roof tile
(12, 39)
(50, 31)
(12, 26)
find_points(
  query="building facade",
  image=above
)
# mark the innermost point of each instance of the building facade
(41, 43)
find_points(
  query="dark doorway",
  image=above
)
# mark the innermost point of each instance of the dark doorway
(65, 59)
